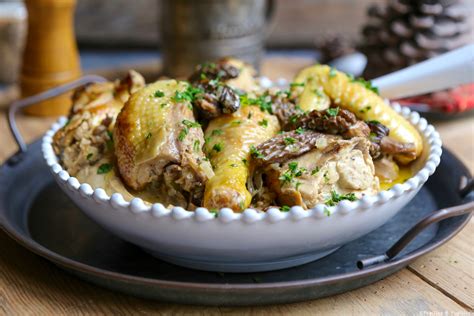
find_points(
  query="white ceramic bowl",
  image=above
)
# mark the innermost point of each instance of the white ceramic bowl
(248, 241)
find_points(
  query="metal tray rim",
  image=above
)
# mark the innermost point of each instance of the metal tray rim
(71, 264)
(68, 263)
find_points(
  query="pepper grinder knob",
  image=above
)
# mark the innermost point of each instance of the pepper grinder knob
(50, 57)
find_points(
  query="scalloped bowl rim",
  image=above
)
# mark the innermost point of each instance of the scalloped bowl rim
(250, 215)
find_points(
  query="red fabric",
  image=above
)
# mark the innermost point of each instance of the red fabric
(454, 100)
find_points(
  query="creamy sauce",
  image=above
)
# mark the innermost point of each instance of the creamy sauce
(404, 174)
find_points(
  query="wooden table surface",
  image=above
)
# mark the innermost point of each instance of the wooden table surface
(441, 281)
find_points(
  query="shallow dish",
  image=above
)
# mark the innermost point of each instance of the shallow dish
(249, 241)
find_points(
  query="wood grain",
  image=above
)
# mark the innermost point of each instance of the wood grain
(30, 285)
(441, 281)
(451, 268)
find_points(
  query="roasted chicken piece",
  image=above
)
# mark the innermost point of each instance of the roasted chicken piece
(307, 169)
(86, 137)
(158, 143)
(229, 141)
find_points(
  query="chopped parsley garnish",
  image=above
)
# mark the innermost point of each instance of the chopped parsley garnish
(293, 118)
(285, 208)
(326, 177)
(216, 132)
(327, 212)
(297, 185)
(187, 95)
(197, 145)
(297, 84)
(332, 111)
(289, 140)
(263, 102)
(244, 161)
(89, 156)
(286, 177)
(299, 109)
(249, 116)
(148, 136)
(318, 92)
(110, 141)
(314, 171)
(158, 94)
(365, 109)
(300, 130)
(183, 133)
(255, 153)
(373, 122)
(332, 72)
(336, 198)
(187, 125)
(263, 123)
(367, 84)
(293, 172)
(236, 122)
(104, 168)
(214, 82)
(217, 147)
(162, 105)
(373, 137)
(293, 167)
(286, 91)
(190, 124)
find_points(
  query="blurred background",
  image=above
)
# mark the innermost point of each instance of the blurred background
(167, 37)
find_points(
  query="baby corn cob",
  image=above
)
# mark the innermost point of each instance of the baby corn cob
(229, 139)
(364, 103)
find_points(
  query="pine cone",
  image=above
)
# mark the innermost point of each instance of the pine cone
(406, 32)
(332, 47)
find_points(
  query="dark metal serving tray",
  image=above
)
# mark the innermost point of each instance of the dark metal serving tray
(39, 216)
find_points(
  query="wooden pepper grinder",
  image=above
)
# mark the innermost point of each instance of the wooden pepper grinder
(50, 57)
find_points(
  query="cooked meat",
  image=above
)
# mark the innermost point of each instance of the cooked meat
(86, 138)
(288, 145)
(158, 140)
(337, 167)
